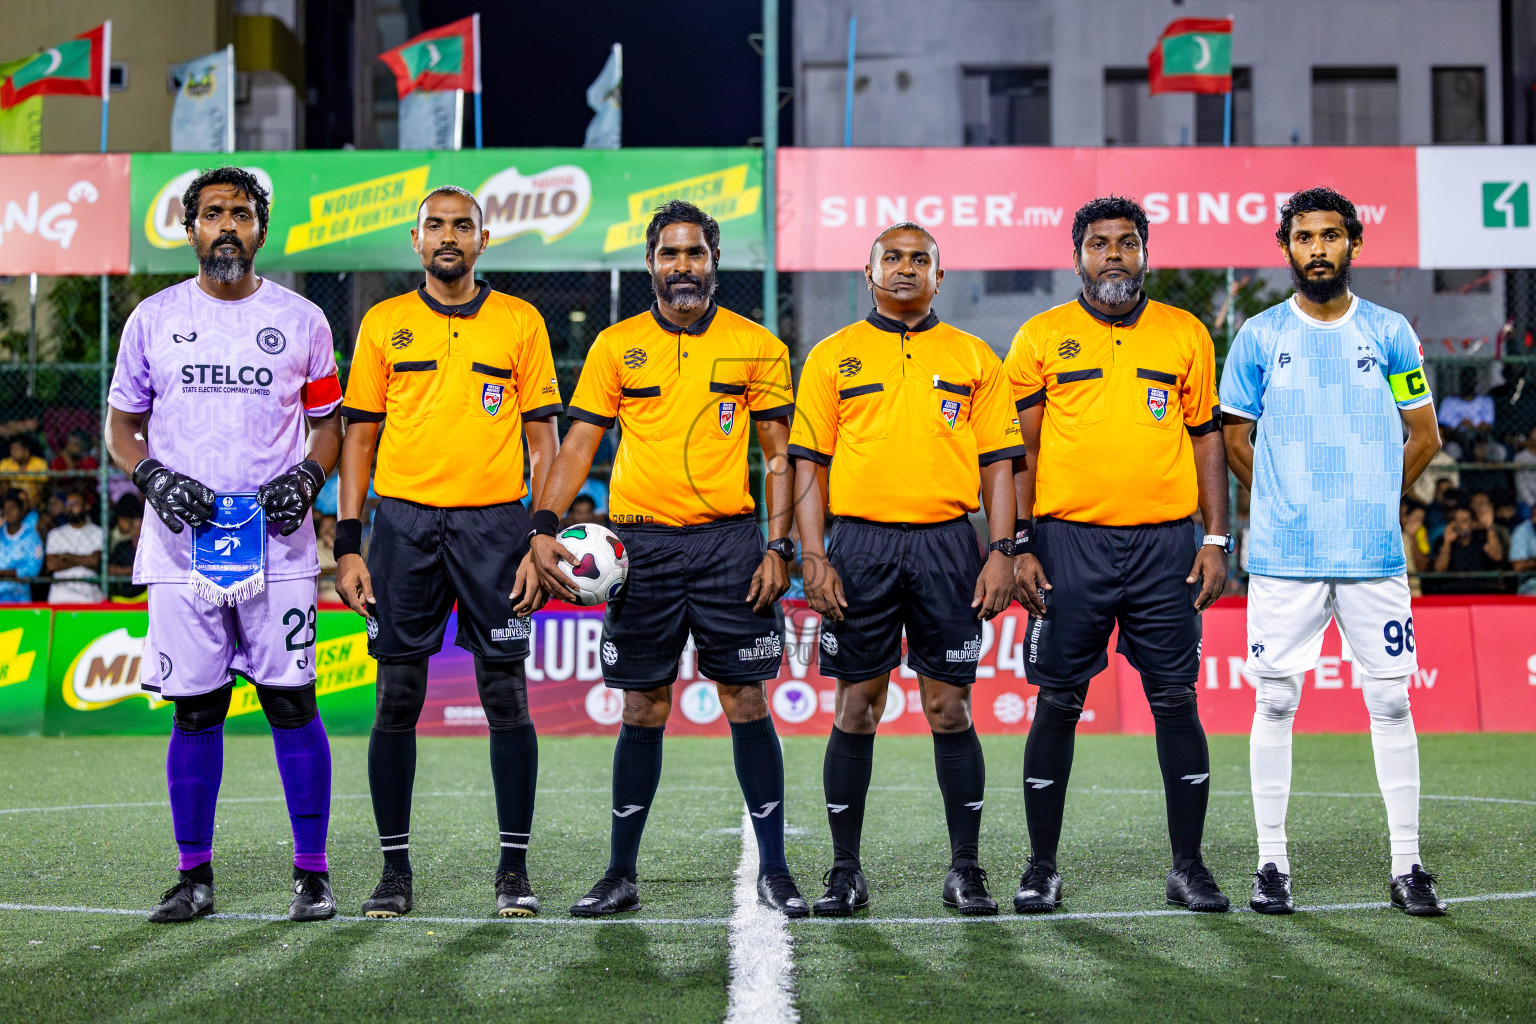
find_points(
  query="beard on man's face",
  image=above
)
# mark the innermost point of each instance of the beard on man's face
(684, 292)
(1115, 291)
(226, 268)
(451, 271)
(1320, 289)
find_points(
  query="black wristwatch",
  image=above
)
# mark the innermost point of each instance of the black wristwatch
(1006, 546)
(784, 548)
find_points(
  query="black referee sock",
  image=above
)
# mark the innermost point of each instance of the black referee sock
(1047, 767)
(391, 776)
(515, 775)
(845, 773)
(636, 773)
(962, 775)
(760, 770)
(1185, 759)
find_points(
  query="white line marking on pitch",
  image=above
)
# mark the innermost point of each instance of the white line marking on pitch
(1021, 919)
(762, 981)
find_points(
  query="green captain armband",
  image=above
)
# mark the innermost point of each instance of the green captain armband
(1409, 386)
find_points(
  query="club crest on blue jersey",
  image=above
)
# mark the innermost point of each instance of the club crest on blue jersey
(950, 410)
(727, 417)
(490, 397)
(1157, 402)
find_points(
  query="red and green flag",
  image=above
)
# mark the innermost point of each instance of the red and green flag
(74, 68)
(1192, 55)
(439, 60)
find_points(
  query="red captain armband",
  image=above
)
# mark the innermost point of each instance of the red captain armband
(318, 394)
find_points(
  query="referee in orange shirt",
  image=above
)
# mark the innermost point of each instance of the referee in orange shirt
(680, 380)
(1117, 402)
(456, 375)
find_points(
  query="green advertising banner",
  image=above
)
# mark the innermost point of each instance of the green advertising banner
(23, 669)
(97, 660)
(546, 209)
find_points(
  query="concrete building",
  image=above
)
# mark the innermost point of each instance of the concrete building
(1073, 73)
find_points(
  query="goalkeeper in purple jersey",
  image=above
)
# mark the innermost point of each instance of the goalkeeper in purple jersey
(223, 409)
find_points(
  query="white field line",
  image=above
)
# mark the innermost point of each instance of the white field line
(1024, 920)
(762, 965)
(721, 789)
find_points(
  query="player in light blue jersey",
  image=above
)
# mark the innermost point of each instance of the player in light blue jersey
(1317, 395)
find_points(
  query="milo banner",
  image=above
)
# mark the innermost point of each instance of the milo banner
(23, 669)
(546, 209)
(97, 662)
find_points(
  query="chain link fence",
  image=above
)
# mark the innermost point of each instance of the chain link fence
(53, 380)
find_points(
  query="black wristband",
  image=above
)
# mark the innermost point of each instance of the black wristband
(144, 470)
(1023, 537)
(349, 537)
(545, 523)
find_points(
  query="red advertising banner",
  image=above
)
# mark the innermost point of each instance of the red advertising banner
(1504, 639)
(1444, 692)
(566, 694)
(1000, 208)
(64, 214)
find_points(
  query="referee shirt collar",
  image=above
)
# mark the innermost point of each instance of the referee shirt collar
(469, 308)
(696, 328)
(885, 323)
(1123, 320)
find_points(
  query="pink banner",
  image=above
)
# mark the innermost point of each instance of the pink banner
(1504, 637)
(64, 214)
(996, 208)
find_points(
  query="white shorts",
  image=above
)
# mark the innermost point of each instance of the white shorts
(1287, 617)
(193, 645)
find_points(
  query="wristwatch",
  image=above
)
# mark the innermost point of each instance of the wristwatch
(1006, 546)
(784, 548)
(1223, 540)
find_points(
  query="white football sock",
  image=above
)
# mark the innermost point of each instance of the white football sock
(1396, 746)
(1269, 765)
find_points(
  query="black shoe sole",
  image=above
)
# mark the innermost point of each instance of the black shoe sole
(975, 911)
(589, 912)
(1200, 910)
(784, 910)
(840, 910)
(1270, 908)
(1426, 912)
(313, 917)
(1037, 908)
(183, 920)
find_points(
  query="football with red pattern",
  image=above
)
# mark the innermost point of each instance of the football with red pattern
(601, 566)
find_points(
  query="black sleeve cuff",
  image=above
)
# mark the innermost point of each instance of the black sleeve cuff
(361, 415)
(796, 451)
(1014, 451)
(1210, 426)
(782, 412)
(543, 412)
(1029, 400)
(589, 417)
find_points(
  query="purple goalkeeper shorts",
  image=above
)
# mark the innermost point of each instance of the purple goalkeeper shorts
(193, 645)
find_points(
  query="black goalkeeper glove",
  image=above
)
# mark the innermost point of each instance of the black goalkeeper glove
(287, 499)
(174, 497)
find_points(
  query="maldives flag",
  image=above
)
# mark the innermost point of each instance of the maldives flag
(439, 60)
(75, 68)
(1192, 55)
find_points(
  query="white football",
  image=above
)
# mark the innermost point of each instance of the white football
(601, 566)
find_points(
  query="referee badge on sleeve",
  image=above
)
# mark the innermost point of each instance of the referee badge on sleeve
(490, 397)
(1157, 402)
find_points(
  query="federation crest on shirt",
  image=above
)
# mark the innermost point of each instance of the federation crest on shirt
(727, 417)
(950, 410)
(490, 397)
(1157, 402)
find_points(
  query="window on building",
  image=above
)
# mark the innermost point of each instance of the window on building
(1459, 105)
(1355, 107)
(1130, 116)
(1012, 282)
(1211, 112)
(1463, 282)
(1007, 106)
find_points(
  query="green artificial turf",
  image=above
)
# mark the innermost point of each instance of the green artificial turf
(1367, 964)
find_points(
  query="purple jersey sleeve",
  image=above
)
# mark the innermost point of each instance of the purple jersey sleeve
(131, 387)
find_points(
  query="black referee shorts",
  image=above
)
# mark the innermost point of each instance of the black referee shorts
(423, 559)
(694, 579)
(920, 576)
(1103, 575)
